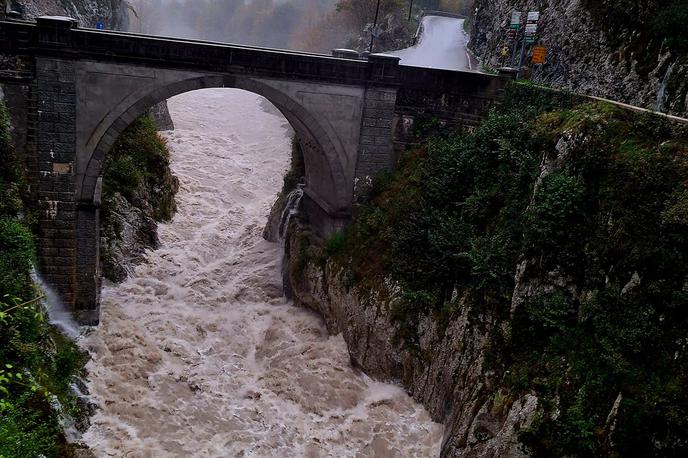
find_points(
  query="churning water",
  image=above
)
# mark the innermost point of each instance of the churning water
(199, 354)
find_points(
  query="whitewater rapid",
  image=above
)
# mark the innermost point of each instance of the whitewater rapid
(198, 354)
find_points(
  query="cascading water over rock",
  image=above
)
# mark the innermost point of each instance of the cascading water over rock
(290, 210)
(58, 315)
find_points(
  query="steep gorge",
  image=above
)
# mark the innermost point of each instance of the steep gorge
(525, 282)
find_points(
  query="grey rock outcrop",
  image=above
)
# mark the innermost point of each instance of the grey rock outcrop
(127, 232)
(444, 371)
(112, 13)
(628, 67)
(161, 115)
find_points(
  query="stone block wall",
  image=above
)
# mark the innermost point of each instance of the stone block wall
(376, 152)
(55, 100)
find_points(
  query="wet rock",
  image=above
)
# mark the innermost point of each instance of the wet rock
(161, 116)
(271, 233)
(625, 66)
(444, 373)
(82, 451)
(632, 284)
(127, 233)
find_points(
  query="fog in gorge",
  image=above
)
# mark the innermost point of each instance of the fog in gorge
(306, 25)
(291, 24)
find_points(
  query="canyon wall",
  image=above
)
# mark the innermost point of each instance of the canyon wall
(112, 13)
(632, 52)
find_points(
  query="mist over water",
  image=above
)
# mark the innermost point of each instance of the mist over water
(284, 24)
(199, 354)
(58, 315)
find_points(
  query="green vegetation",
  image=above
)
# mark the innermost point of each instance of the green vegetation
(36, 362)
(297, 168)
(592, 202)
(670, 23)
(138, 167)
(656, 19)
(11, 179)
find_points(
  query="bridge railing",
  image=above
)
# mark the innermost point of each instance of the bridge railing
(53, 37)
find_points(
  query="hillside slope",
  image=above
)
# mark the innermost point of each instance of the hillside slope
(112, 13)
(629, 51)
(525, 282)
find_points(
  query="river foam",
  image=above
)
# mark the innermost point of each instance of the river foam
(199, 354)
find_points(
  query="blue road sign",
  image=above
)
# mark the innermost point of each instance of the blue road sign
(100, 26)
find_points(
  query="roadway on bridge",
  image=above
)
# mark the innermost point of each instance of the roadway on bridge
(443, 44)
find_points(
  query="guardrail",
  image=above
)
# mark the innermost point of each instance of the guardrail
(419, 30)
(443, 13)
(625, 106)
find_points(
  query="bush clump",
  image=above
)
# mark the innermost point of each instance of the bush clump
(566, 221)
(11, 177)
(137, 167)
(17, 248)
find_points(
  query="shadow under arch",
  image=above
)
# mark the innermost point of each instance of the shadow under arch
(325, 174)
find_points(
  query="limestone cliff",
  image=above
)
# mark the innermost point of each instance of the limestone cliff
(112, 13)
(628, 51)
(444, 373)
(138, 191)
(526, 282)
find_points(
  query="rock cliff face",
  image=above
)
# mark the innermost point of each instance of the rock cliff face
(112, 13)
(127, 232)
(595, 49)
(445, 373)
(519, 280)
(161, 115)
(138, 192)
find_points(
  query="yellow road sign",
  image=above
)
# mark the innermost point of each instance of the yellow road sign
(539, 54)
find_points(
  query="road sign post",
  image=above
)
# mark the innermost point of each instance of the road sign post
(513, 32)
(528, 35)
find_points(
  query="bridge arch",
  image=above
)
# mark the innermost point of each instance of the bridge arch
(81, 88)
(325, 170)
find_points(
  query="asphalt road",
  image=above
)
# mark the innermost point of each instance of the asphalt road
(442, 45)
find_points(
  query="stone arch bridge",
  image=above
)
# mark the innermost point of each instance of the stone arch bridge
(72, 91)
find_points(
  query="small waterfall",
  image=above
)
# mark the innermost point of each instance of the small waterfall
(290, 209)
(661, 94)
(58, 315)
(61, 319)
